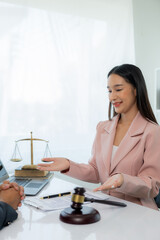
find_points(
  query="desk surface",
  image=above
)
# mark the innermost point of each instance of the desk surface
(129, 223)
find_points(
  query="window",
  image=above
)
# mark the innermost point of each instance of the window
(53, 68)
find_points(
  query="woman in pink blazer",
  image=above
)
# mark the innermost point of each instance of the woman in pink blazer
(126, 154)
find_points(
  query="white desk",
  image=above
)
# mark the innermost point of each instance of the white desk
(130, 223)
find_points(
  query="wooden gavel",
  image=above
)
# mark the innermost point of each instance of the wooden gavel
(78, 214)
(78, 199)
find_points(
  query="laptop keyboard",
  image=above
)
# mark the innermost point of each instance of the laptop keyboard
(21, 182)
(34, 185)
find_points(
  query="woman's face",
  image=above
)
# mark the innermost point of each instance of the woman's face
(122, 94)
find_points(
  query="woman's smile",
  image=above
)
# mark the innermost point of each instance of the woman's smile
(116, 104)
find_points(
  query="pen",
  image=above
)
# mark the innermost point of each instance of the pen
(57, 195)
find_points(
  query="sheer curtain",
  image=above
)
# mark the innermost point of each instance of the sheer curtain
(53, 68)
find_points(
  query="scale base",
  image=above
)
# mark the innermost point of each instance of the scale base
(25, 171)
(86, 215)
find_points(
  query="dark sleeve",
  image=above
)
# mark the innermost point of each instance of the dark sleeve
(7, 214)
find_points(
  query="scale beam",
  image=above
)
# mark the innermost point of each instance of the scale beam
(26, 139)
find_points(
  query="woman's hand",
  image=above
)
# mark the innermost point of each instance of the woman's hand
(11, 197)
(113, 182)
(57, 164)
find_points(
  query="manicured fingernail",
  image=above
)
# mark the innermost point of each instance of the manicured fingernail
(112, 186)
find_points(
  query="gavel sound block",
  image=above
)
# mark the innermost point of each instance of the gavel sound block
(76, 214)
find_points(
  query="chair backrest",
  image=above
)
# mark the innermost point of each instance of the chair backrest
(157, 199)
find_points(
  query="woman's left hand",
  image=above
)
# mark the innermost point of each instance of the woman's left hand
(113, 182)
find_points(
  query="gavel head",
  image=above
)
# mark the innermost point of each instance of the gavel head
(78, 198)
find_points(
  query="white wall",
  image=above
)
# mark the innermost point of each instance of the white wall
(88, 8)
(108, 12)
(146, 18)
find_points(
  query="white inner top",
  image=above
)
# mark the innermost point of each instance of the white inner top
(114, 149)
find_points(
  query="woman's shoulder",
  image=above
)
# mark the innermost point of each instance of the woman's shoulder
(107, 124)
(143, 125)
(151, 133)
(102, 124)
(148, 128)
(152, 127)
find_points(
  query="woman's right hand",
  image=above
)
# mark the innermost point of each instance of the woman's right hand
(54, 164)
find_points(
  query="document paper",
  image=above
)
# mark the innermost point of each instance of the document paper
(51, 204)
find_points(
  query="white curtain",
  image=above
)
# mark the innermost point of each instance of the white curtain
(53, 75)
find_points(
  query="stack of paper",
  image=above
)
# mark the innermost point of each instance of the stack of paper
(51, 204)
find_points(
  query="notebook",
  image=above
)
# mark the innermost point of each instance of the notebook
(31, 185)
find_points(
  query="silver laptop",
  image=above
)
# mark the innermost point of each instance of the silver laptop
(31, 185)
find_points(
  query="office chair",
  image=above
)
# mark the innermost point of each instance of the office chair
(157, 199)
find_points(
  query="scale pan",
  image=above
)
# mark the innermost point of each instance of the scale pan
(16, 159)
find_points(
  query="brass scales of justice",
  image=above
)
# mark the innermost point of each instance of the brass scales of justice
(29, 170)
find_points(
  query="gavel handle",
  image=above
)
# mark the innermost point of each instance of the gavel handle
(105, 202)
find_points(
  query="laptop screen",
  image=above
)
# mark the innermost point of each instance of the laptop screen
(3, 173)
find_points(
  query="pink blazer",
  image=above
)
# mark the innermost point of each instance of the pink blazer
(137, 158)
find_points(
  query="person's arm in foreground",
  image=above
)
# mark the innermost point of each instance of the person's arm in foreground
(10, 199)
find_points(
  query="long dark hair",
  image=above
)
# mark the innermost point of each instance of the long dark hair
(134, 76)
